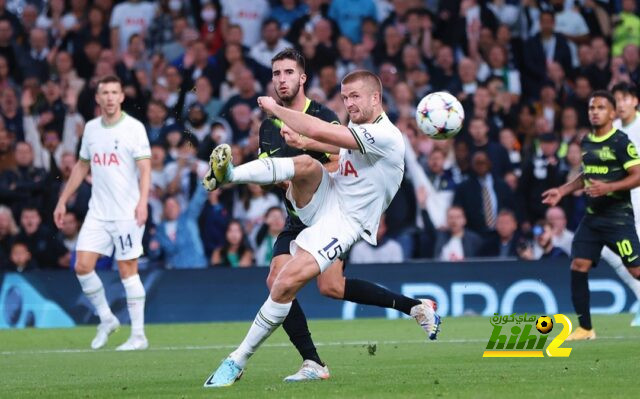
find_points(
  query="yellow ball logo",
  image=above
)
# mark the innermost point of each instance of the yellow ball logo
(544, 324)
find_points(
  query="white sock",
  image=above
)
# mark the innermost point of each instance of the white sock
(264, 171)
(616, 263)
(135, 303)
(94, 291)
(268, 319)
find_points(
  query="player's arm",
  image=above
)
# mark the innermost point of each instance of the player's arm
(552, 196)
(302, 142)
(310, 126)
(598, 188)
(144, 166)
(78, 173)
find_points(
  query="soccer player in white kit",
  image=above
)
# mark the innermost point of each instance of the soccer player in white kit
(115, 148)
(628, 121)
(339, 207)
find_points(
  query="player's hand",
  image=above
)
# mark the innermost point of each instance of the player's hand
(551, 197)
(292, 138)
(141, 214)
(58, 214)
(268, 104)
(597, 188)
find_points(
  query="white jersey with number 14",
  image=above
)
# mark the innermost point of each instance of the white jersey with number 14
(112, 152)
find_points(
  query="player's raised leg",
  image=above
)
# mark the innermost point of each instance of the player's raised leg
(295, 325)
(333, 284)
(94, 291)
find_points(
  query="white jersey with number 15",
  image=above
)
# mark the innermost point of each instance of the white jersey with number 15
(112, 152)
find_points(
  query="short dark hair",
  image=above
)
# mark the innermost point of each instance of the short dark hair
(290, 54)
(604, 94)
(271, 20)
(109, 79)
(625, 88)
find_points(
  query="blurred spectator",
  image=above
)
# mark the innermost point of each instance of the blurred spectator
(271, 44)
(315, 11)
(6, 80)
(70, 230)
(496, 65)
(544, 47)
(539, 174)
(213, 223)
(349, 15)
(157, 122)
(11, 113)
(204, 96)
(467, 71)
(267, 234)
(544, 246)
(160, 30)
(443, 185)
(580, 99)
(235, 252)
(505, 241)
(211, 26)
(24, 181)
(128, 18)
(568, 130)
(47, 250)
(178, 235)
(479, 132)
(481, 188)
(7, 158)
(388, 250)
(183, 175)
(510, 143)
(198, 122)
(627, 27)
(8, 230)
(569, 21)
(8, 49)
(79, 201)
(35, 56)
(249, 20)
(631, 58)
(599, 72)
(456, 243)
(254, 203)
(20, 258)
(562, 237)
(287, 11)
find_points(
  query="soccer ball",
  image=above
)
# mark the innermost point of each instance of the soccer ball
(440, 115)
(544, 324)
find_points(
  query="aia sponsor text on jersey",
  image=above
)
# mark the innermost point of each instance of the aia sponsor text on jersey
(105, 159)
(347, 168)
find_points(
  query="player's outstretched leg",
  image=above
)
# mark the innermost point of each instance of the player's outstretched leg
(94, 291)
(261, 171)
(333, 284)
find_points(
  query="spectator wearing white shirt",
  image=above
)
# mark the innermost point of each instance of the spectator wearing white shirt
(562, 237)
(128, 18)
(456, 243)
(271, 44)
(388, 250)
(248, 18)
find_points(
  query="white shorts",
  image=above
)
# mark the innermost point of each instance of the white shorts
(330, 232)
(101, 236)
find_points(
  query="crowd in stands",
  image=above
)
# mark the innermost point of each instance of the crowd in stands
(192, 71)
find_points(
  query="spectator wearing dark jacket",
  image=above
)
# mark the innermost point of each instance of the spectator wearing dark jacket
(504, 242)
(482, 196)
(479, 132)
(47, 250)
(24, 182)
(456, 243)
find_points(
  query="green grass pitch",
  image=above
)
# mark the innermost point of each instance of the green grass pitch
(369, 358)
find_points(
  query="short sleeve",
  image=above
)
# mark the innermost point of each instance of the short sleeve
(627, 152)
(373, 139)
(115, 18)
(141, 149)
(85, 154)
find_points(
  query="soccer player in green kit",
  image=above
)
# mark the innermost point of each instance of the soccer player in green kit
(611, 168)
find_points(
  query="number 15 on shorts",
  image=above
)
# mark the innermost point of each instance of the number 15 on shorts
(332, 250)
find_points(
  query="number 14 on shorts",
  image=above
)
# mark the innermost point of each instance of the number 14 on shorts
(125, 242)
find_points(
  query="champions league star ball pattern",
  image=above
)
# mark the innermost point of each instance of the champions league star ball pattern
(440, 115)
(544, 324)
